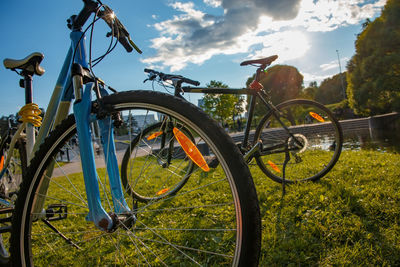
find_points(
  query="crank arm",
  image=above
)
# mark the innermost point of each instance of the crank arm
(255, 149)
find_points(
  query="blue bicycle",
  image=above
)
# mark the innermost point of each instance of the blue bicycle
(75, 211)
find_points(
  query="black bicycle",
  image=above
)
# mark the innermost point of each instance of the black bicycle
(297, 140)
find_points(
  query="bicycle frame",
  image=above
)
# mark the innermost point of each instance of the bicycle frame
(253, 94)
(253, 148)
(58, 108)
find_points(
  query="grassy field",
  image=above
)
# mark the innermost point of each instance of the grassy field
(350, 217)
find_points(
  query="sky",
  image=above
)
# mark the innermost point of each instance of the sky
(203, 40)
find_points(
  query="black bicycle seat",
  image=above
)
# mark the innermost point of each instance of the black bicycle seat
(263, 61)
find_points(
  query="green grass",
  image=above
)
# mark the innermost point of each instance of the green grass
(350, 217)
(195, 208)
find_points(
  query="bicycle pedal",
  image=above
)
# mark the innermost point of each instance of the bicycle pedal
(56, 212)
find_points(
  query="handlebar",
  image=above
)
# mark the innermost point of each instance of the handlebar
(117, 28)
(164, 77)
(89, 7)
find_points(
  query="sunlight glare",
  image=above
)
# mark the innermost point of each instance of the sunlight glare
(287, 45)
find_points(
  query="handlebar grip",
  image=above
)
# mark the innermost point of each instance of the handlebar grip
(118, 29)
(149, 70)
(124, 42)
(192, 82)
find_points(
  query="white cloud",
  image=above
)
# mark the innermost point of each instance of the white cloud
(308, 77)
(334, 64)
(256, 27)
(213, 3)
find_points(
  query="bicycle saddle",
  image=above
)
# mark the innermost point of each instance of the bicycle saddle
(263, 61)
(29, 64)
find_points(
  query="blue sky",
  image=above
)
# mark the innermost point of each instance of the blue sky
(203, 40)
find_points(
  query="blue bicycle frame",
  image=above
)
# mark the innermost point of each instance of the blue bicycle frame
(58, 108)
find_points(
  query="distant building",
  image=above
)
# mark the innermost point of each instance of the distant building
(145, 120)
(142, 121)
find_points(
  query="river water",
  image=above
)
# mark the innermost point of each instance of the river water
(372, 139)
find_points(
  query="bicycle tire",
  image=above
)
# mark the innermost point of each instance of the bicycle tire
(314, 126)
(213, 220)
(9, 185)
(158, 154)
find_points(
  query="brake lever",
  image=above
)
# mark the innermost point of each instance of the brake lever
(134, 45)
(151, 77)
(118, 28)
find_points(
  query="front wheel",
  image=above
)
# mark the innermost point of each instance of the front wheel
(213, 220)
(311, 142)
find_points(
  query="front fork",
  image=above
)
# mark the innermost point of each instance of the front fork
(82, 111)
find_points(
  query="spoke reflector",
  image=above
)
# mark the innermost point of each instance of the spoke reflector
(191, 150)
(273, 166)
(2, 162)
(316, 116)
(154, 135)
(162, 191)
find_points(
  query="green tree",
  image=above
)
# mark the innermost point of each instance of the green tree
(331, 89)
(310, 91)
(374, 71)
(222, 106)
(283, 82)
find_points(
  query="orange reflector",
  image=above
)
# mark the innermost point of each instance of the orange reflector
(273, 166)
(191, 150)
(317, 117)
(2, 162)
(154, 135)
(162, 191)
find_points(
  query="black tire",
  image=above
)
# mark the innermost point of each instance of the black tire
(9, 186)
(160, 155)
(214, 219)
(314, 126)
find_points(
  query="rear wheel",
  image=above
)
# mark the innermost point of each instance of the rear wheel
(157, 146)
(9, 185)
(213, 219)
(313, 141)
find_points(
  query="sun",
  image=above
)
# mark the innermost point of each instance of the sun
(287, 45)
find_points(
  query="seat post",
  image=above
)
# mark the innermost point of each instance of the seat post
(30, 130)
(28, 85)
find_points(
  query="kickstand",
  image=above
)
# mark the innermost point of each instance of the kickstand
(287, 158)
(68, 240)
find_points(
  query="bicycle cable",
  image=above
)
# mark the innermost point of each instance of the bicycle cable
(110, 47)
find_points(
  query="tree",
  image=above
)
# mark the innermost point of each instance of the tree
(331, 91)
(374, 71)
(222, 106)
(282, 82)
(310, 91)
